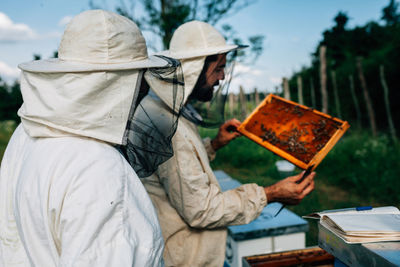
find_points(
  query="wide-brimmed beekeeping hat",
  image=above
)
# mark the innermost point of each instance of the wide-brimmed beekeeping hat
(197, 39)
(98, 40)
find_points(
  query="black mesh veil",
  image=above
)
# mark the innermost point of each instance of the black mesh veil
(151, 126)
(211, 114)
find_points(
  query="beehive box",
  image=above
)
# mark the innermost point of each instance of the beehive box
(294, 132)
(301, 257)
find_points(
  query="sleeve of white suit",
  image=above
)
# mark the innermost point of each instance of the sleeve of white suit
(211, 153)
(200, 203)
(107, 219)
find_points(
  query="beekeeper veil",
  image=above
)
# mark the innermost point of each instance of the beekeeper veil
(151, 126)
(95, 87)
(203, 53)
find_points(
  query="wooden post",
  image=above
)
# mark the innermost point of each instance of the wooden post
(251, 98)
(322, 74)
(256, 96)
(387, 103)
(243, 104)
(300, 90)
(276, 90)
(286, 90)
(368, 102)
(312, 88)
(336, 94)
(355, 100)
(231, 103)
(237, 105)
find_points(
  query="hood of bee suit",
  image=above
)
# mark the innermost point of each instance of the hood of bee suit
(91, 88)
(191, 43)
(191, 69)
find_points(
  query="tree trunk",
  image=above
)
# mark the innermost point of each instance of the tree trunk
(300, 90)
(322, 75)
(243, 104)
(355, 100)
(336, 94)
(312, 88)
(286, 90)
(166, 35)
(370, 110)
(387, 103)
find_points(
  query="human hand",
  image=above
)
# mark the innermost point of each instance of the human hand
(227, 132)
(288, 191)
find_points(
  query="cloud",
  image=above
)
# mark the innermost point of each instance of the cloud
(250, 77)
(246, 76)
(64, 21)
(246, 82)
(241, 69)
(276, 80)
(8, 73)
(13, 32)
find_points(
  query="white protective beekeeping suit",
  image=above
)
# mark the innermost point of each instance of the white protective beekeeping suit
(67, 196)
(192, 210)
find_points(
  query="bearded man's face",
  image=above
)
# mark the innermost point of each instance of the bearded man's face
(213, 73)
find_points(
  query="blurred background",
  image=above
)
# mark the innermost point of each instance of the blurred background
(337, 56)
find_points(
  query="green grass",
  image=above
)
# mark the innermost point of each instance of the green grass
(359, 170)
(366, 166)
(6, 130)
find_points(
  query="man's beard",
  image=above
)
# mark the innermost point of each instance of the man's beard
(204, 94)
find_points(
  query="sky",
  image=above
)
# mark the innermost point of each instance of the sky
(292, 30)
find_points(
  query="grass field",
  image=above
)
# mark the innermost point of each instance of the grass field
(6, 130)
(360, 170)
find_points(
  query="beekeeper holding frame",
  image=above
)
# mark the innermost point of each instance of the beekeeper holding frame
(192, 210)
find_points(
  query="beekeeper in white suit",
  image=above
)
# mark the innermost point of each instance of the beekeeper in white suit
(69, 194)
(192, 210)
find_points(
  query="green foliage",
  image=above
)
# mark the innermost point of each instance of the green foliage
(256, 45)
(341, 20)
(6, 130)
(389, 13)
(11, 101)
(378, 45)
(251, 155)
(365, 166)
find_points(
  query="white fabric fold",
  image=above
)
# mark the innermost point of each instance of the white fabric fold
(93, 104)
(73, 202)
